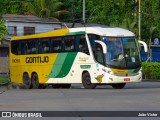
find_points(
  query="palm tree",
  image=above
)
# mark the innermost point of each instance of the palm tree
(130, 24)
(129, 18)
(45, 9)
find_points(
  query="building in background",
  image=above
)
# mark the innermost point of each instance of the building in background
(19, 25)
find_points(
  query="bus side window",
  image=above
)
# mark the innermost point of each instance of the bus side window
(29, 47)
(34, 46)
(83, 47)
(56, 44)
(57, 47)
(92, 38)
(23, 47)
(15, 47)
(69, 43)
(45, 45)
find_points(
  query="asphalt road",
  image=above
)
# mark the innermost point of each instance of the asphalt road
(144, 96)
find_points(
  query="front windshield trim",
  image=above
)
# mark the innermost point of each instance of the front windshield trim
(124, 67)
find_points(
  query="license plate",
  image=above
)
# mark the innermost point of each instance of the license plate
(126, 79)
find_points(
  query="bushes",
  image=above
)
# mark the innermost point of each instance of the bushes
(151, 70)
(3, 79)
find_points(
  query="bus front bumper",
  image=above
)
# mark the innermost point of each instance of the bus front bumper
(123, 79)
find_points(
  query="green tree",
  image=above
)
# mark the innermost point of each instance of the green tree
(45, 8)
(12, 6)
(150, 20)
(3, 31)
(1, 7)
(122, 13)
(112, 12)
(75, 10)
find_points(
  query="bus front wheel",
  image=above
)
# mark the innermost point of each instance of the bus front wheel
(118, 85)
(86, 81)
(26, 81)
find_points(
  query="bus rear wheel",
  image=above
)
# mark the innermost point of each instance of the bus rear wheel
(35, 81)
(27, 84)
(86, 81)
(118, 85)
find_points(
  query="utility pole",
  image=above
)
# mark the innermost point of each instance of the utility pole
(84, 12)
(139, 19)
(73, 21)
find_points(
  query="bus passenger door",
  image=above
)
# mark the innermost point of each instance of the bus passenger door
(100, 61)
(99, 56)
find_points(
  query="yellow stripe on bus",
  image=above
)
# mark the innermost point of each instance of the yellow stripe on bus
(118, 71)
(53, 33)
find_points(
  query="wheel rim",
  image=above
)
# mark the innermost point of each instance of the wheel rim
(88, 80)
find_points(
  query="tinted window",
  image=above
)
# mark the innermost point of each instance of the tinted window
(45, 45)
(92, 39)
(51, 45)
(69, 44)
(15, 49)
(99, 53)
(56, 44)
(82, 44)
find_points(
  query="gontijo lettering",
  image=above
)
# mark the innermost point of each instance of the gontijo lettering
(38, 59)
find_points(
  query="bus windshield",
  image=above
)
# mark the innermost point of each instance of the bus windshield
(122, 52)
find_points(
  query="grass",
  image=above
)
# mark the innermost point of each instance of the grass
(3, 79)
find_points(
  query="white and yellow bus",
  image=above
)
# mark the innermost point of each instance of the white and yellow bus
(88, 55)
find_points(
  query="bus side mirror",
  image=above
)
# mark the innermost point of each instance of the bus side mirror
(144, 44)
(104, 47)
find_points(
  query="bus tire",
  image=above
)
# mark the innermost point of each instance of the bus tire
(86, 81)
(35, 81)
(27, 84)
(118, 85)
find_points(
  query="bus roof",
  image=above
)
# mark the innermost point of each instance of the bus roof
(103, 31)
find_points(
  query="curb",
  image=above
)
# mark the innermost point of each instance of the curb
(5, 84)
(150, 80)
